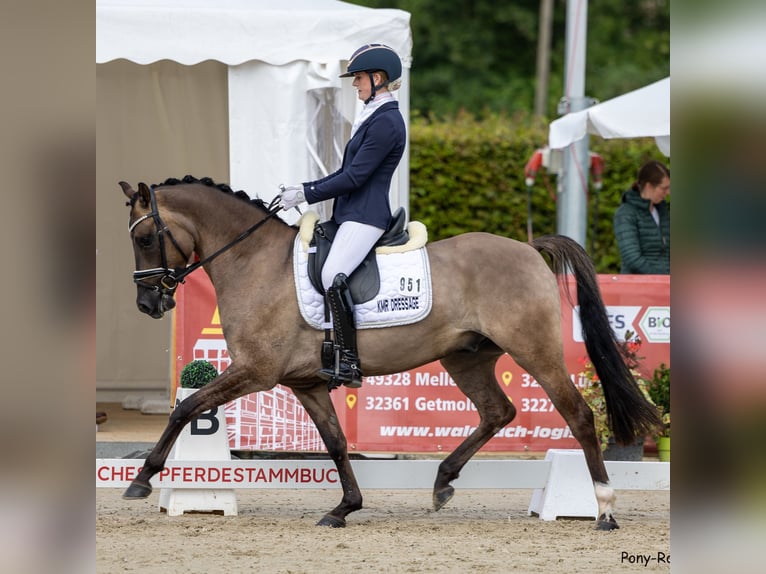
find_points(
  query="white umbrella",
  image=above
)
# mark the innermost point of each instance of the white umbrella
(644, 112)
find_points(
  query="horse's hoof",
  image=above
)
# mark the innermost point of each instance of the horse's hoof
(442, 497)
(606, 524)
(332, 522)
(137, 490)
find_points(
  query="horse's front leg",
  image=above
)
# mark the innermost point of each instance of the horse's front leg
(318, 405)
(232, 383)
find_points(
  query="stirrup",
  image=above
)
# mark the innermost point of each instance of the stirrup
(334, 380)
(345, 373)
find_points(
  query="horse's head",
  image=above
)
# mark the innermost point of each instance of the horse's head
(160, 255)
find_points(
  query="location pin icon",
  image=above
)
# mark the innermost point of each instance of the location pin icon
(507, 377)
(351, 401)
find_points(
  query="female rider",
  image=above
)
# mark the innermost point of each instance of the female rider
(360, 189)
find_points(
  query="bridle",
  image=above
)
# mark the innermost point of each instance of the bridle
(170, 278)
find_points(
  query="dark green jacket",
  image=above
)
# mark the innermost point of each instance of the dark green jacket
(644, 246)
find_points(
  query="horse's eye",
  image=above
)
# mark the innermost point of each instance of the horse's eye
(145, 241)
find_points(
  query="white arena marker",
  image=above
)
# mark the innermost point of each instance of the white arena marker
(569, 489)
(203, 439)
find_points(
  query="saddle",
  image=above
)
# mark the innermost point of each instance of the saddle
(364, 282)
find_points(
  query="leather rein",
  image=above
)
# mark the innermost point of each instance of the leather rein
(170, 278)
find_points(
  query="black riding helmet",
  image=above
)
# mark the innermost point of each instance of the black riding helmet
(373, 58)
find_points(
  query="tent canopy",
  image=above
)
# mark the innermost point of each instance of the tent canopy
(641, 113)
(284, 58)
(237, 31)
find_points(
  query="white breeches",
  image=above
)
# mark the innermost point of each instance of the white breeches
(351, 245)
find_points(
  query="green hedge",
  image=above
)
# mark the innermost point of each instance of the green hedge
(468, 175)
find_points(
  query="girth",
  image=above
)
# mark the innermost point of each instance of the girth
(364, 282)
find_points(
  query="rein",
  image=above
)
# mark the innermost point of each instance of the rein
(170, 278)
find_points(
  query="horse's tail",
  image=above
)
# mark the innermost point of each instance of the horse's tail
(629, 413)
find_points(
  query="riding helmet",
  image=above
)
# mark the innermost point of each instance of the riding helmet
(374, 57)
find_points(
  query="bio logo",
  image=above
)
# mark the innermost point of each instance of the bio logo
(656, 324)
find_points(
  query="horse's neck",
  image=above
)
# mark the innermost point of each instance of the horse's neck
(223, 220)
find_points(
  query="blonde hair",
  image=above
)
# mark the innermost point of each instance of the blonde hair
(390, 86)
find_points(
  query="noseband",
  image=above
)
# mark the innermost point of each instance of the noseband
(170, 278)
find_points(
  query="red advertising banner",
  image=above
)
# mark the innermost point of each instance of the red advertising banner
(420, 410)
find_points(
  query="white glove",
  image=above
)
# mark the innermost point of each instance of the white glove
(291, 196)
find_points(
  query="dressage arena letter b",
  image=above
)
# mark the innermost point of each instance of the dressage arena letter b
(210, 424)
(206, 423)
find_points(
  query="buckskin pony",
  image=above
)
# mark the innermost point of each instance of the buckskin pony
(491, 295)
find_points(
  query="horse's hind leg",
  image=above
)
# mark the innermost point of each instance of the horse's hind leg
(227, 386)
(474, 374)
(548, 368)
(318, 405)
(578, 416)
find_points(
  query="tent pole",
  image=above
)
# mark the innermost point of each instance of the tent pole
(572, 204)
(545, 27)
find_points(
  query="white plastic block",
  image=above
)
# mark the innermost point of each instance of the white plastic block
(132, 402)
(203, 439)
(176, 501)
(154, 407)
(569, 490)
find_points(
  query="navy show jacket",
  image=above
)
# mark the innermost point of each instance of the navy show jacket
(361, 186)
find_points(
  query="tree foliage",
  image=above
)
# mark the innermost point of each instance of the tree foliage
(480, 55)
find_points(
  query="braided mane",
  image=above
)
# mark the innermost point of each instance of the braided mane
(210, 183)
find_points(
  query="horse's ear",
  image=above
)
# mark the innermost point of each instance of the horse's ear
(144, 196)
(127, 190)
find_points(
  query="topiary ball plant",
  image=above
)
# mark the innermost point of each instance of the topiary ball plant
(197, 374)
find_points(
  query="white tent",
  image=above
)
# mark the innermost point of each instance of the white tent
(641, 113)
(243, 91)
(278, 53)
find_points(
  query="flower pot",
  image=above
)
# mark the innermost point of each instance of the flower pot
(633, 451)
(663, 448)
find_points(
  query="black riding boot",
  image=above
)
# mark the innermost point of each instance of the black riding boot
(347, 370)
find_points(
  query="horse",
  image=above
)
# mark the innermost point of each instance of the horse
(491, 295)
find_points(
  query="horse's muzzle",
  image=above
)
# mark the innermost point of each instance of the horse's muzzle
(154, 302)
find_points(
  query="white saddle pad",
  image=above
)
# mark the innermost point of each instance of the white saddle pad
(405, 295)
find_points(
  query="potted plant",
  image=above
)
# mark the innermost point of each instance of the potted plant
(590, 388)
(194, 376)
(659, 391)
(197, 374)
